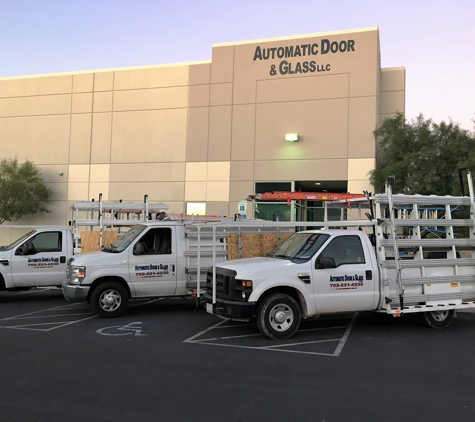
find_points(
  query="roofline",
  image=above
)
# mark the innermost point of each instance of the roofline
(114, 69)
(296, 37)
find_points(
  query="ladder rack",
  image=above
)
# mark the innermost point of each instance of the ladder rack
(110, 214)
(413, 274)
(207, 243)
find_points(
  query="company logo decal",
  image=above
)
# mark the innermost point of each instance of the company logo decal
(152, 270)
(285, 67)
(346, 282)
(43, 262)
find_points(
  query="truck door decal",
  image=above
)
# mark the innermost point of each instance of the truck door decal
(339, 280)
(152, 270)
(43, 262)
(36, 261)
(152, 263)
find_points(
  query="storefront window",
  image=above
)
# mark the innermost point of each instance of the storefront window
(262, 187)
(195, 208)
(273, 212)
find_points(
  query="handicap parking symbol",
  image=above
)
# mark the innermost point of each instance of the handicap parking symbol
(133, 328)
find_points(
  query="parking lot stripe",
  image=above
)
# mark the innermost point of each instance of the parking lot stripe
(301, 343)
(36, 312)
(339, 348)
(46, 316)
(190, 340)
(280, 347)
(267, 348)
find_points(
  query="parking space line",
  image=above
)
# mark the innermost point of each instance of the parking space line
(267, 348)
(190, 340)
(36, 312)
(49, 316)
(301, 343)
(71, 322)
(340, 346)
(63, 311)
(280, 347)
(31, 326)
(230, 337)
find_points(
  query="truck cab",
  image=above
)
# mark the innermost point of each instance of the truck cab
(164, 258)
(142, 263)
(312, 272)
(36, 259)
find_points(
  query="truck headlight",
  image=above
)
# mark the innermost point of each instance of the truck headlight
(243, 290)
(78, 274)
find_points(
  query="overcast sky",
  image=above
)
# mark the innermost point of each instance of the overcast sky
(433, 39)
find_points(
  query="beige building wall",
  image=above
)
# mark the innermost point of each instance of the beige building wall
(205, 131)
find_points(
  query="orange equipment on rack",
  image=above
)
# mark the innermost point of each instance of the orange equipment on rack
(304, 196)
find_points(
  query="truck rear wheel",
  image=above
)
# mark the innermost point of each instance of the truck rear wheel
(278, 316)
(438, 319)
(109, 299)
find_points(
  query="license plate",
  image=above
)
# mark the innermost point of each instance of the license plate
(209, 308)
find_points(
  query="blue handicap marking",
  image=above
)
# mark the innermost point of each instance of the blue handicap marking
(132, 328)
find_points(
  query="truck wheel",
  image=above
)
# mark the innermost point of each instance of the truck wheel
(109, 300)
(278, 316)
(438, 319)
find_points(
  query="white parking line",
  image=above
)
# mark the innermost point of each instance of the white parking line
(280, 347)
(37, 315)
(69, 310)
(345, 336)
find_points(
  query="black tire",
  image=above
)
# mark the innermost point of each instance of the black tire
(278, 316)
(438, 319)
(109, 299)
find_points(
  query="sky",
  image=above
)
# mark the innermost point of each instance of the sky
(434, 40)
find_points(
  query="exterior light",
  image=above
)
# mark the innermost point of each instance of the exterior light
(291, 137)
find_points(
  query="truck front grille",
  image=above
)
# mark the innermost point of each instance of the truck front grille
(225, 283)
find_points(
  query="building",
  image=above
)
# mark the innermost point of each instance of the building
(202, 136)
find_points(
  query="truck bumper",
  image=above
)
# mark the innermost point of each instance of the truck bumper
(230, 308)
(75, 292)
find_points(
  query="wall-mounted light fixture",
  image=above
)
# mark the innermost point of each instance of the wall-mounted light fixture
(291, 137)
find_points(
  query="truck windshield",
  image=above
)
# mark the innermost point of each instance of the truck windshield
(299, 247)
(18, 241)
(125, 240)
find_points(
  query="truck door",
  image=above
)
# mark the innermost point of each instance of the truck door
(346, 280)
(40, 260)
(152, 263)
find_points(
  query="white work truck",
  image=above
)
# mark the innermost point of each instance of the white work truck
(414, 254)
(36, 259)
(155, 259)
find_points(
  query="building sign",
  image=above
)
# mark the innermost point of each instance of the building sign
(242, 206)
(290, 67)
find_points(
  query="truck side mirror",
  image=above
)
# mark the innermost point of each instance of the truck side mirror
(139, 248)
(23, 250)
(325, 262)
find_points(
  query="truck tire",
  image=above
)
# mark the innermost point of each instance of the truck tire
(109, 299)
(438, 319)
(278, 316)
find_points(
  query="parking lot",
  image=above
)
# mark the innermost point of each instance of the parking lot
(169, 360)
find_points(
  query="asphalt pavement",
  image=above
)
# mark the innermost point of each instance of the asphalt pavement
(167, 360)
